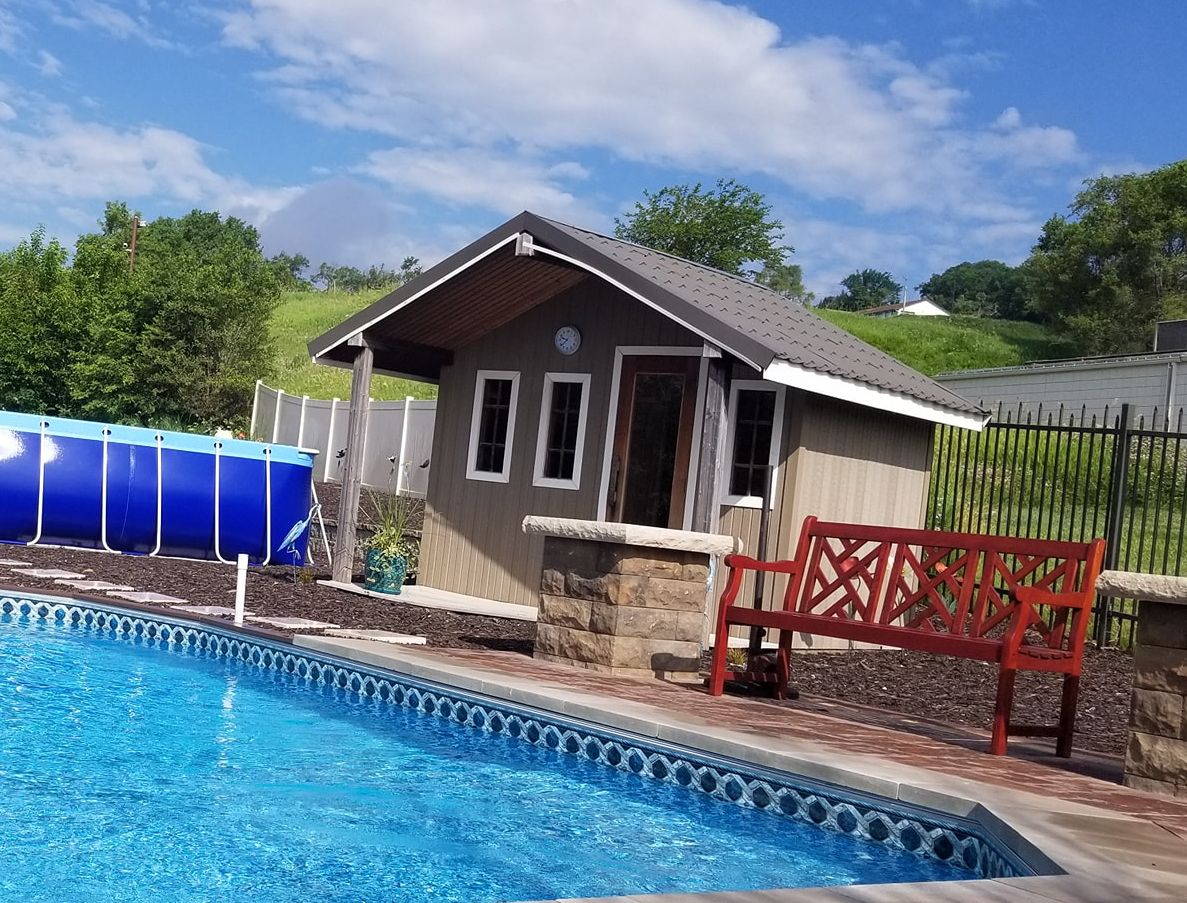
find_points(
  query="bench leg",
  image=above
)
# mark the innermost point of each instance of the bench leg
(1001, 712)
(783, 663)
(1067, 715)
(721, 646)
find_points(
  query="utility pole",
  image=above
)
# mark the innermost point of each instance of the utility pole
(132, 244)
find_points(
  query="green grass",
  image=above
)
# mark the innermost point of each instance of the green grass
(303, 316)
(938, 344)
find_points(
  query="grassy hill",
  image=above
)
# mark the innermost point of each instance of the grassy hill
(937, 344)
(929, 344)
(302, 316)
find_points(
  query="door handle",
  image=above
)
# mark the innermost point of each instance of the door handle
(612, 493)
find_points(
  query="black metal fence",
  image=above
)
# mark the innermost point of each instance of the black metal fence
(1056, 474)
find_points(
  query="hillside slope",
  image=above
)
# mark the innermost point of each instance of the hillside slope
(938, 344)
(929, 344)
(302, 316)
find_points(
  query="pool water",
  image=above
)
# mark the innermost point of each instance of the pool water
(132, 773)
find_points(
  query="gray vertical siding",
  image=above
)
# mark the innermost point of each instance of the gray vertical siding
(472, 540)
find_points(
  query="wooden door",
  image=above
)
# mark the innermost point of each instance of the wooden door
(653, 440)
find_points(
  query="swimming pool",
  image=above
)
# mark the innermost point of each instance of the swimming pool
(142, 757)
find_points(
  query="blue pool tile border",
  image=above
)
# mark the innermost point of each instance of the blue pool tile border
(951, 840)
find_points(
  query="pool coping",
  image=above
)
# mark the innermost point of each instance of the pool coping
(1103, 856)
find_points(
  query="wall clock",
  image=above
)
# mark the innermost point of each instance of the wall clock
(567, 339)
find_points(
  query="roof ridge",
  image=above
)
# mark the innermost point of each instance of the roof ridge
(676, 257)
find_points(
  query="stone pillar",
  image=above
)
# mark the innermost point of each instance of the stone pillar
(1156, 758)
(623, 599)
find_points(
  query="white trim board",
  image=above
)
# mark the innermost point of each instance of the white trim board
(550, 380)
(752, 385)
(825, 384)
(476, 418)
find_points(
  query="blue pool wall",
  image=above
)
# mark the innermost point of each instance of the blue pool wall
(73, 490)
(960, 843)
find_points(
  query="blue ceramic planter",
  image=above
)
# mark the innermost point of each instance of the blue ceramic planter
(384, 575)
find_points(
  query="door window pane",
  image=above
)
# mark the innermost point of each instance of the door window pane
(651, 459)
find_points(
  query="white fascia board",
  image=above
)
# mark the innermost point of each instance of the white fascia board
(826, 384)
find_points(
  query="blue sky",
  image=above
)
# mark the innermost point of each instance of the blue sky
(902, 135)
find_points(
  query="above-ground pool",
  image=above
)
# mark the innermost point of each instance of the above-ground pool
(148, 759)
(151, 492)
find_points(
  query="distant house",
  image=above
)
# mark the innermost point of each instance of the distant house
(920, 308)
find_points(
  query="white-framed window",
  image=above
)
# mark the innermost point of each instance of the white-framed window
(754, 438)
(492, 425)
(560, 443)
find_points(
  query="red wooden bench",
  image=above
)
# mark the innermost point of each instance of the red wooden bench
(958, 594)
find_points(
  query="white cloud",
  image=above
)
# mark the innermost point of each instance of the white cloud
(689, 84)
(48, 64)
(95, 15)
(470, 177)
(61, 160)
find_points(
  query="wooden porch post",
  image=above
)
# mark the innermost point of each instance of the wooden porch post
(352, 473)
(705, 494)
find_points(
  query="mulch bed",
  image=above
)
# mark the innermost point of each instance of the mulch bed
(960, 691)
(273, 592)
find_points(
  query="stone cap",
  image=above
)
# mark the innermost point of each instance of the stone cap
(1143, 587)
(631, 535)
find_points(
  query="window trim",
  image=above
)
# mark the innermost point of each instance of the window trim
(550, 380)
(490, 476)
(752, 385)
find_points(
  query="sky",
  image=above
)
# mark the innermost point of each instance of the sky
(902, 135)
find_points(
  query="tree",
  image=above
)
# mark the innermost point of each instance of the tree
(184, 336)
(787, 279)
(987, 288)
(290, 271)
(41, 326)
(728, 227)
(1114, 268)
(865, 289)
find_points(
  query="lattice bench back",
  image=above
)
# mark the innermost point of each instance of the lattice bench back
(960, 584)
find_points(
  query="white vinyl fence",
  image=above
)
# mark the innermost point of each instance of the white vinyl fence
(397, 446)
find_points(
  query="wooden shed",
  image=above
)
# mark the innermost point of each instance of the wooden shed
(587, 377)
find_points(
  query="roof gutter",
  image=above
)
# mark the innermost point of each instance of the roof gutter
(826, 384)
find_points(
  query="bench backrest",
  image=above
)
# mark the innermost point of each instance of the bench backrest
(961, 584)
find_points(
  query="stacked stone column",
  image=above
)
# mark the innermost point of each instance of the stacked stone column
(620, 607)
(1156, 758)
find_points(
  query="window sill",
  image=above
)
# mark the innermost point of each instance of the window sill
(487, 477)
(545, 483)
(745, 501)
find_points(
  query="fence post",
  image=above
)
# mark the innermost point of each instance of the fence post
(276, 419)
(329, 453)
(301, 425)
(255, 409)
(1118, 473)
(403, 444)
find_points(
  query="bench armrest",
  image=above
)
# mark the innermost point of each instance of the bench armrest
(1036, 595)
(741, 562)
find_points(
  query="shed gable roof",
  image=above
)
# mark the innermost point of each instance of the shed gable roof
(756, 324)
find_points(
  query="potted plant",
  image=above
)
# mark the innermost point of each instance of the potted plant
(390, 552)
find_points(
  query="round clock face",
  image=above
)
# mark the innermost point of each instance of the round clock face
(567, 339)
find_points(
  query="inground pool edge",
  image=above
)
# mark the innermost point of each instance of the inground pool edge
(970, 844)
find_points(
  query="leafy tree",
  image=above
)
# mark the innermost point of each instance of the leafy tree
(865, 289)
(409, 269)
(41, 326)
(352, 279)
(728, 227)
(1114, 268)
(987, 288)
(290, 270)
(787, 279)
(185, 335)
